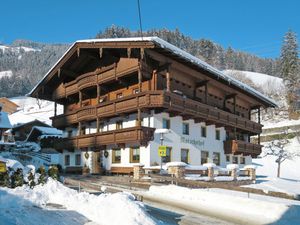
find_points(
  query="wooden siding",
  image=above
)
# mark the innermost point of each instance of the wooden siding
(237, 147)
(138, 134)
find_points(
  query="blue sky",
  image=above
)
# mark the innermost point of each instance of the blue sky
(255, 26)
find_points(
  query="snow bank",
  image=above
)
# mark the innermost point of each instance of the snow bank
(110, 209)
(14, 164)
(209, 165)
(242, 209)
(232, 167)
(170, 164)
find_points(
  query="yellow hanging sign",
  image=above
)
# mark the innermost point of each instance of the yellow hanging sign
(162, 151)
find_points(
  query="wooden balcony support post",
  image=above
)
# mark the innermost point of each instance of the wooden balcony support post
(79, 128)
(206, 93)
(98, 93)
(140, 78)
(139, 119)
(97, 129)
(234, 104)
(55, 109)
(154, 79)
(168, 80)
(80, 98)
(258, 120)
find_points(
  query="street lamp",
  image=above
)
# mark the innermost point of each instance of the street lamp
(161, 132)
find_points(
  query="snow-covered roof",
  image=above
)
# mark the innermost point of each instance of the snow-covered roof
(43, 132)
(48, 130)
(4, 121)
(160, 43)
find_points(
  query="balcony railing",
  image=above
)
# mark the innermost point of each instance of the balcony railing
(170, 102)
(138, 134)
(238, 147)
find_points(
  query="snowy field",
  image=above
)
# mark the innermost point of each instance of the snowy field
(58, 204)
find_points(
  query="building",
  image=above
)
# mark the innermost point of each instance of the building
(6, 139)
(116, 92)
(21, 131)
(8, 106)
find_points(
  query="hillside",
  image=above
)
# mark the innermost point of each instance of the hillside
(24, 63)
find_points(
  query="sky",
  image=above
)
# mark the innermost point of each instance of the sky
(254, 26)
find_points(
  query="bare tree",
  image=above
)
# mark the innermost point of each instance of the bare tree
(39, 102)
(278, 149)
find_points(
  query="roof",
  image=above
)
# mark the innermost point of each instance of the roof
(4, 121)
(8, 101)
(18, 126)
(38, 131)
(160, 43)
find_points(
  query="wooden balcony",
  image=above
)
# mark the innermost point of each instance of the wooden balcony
(138, 134)
(100, 76)
(238, 147)
(169, 102)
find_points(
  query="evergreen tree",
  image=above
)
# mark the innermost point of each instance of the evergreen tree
(31, 180)
(43, 175)
(53, 172)
(4, 179)
(289, 66)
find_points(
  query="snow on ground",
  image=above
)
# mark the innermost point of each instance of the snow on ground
(267, 172)
(7, 73)
(23, 205)
(30, 110)
(238, 208)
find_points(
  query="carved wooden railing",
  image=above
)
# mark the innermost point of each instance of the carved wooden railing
(242, 147)
(138, 134)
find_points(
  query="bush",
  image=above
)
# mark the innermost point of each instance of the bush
(43, 176)
(17, 178)
(53, 172)
(31, 178)
(4, 179)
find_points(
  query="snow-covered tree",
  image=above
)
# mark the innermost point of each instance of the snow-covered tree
(289, 66)
(278, 149)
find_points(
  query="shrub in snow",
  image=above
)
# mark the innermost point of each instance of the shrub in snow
(31, 180)
(53, 172)
(4, 179)
(17, 178)
(43, 176)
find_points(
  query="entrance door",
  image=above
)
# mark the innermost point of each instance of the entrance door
(96, 158)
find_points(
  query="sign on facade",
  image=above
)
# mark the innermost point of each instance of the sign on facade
(162, 151)
(2, 167)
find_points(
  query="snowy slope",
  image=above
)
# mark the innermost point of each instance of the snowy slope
(29, 110)
(4, 48)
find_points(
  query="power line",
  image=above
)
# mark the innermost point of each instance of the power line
(140, 18)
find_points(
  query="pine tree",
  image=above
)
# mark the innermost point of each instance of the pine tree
(31, 178)
(42, 177)
(289, 66)
(53, 172)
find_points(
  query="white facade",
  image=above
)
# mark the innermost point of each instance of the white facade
(194, 142)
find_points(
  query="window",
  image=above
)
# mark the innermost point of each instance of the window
(119, 124)
(120, 95)
(67, 160)
(242, 160)
(203, 131)
(116, 156)
(185, 128)
(235, 160)
(216, 158)
(101, 127)
(135, 155)
(166, 124)
(217, 134)
(70, 133)
(204, 157)
(78, 159)
(82, 131)
(184, 155)
(227, 158)
(136, 91)
(168, 156)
